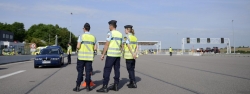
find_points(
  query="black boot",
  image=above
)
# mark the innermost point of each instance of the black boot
(77, 88)
(114, 87)
(133, 85)
(104, 89)
(130, 83)
(88, 86)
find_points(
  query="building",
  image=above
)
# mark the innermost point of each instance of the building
(6, 36)
(7, 42)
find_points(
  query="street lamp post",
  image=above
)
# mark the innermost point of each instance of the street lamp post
(233, 35)
(70, 27)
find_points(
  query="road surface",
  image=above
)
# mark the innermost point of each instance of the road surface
(155, 74)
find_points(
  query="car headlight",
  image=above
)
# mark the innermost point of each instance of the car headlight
(38, 58)
(54, 58)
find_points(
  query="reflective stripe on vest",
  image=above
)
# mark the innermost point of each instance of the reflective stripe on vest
(86, 52)
(115, 44)
(133, 44)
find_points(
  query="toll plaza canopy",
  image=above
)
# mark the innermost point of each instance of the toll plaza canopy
(140, 43)
(146, 43)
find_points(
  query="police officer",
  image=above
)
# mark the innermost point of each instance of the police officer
(3, 52)
(170, 51)
(113, 48)
(130, 54)
(69, 51)
(86, 45)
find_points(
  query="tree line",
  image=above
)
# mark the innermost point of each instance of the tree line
(41, 34)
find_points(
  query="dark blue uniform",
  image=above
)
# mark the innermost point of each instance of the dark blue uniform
(80, 68)
(111, 62)
(130, 63)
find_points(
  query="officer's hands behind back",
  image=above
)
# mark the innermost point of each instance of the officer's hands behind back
(102, 57)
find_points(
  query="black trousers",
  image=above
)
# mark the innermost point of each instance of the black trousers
(69, 58)
(80, 68)
(130, 63)
(109, 63)
(170, 53)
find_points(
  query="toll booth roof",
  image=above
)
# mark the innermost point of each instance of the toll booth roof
(148, 43)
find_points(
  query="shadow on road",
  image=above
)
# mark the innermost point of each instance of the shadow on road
(97, 83)
(123, 81)
(96, 71)
(45, 67)
(3, 68)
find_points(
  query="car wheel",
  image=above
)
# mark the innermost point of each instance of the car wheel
(35, 66)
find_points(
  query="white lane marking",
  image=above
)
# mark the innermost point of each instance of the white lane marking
(7, 75)
(14, 63)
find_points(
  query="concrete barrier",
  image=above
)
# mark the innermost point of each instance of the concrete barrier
(18, 58)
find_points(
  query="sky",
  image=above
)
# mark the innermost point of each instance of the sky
(167, 21)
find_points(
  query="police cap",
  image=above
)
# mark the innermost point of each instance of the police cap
(128, 26)
(113, 22)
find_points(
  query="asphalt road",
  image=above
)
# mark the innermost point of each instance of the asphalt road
(155, 74)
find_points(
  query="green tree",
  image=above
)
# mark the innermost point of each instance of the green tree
(37, 41)
(19, 31)
(17, 28)
(48, 32)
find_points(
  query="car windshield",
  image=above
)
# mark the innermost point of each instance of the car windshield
(49, 51)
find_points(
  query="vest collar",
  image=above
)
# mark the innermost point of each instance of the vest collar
(86, 32)
(114, 30)
(129, 34)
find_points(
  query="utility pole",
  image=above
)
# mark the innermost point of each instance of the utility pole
(56, 41)
(233, 34)
(49, 39)
(70, 27)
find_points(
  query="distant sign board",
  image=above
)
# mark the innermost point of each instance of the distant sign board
(33, 46)
(32, 50)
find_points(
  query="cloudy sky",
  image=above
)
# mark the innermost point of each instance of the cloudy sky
(167, 21)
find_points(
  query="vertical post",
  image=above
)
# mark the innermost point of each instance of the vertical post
(56, 41)
(160, 46)
(157, 45)
(229, 46)
(233, 35)
(70, 28)
(183, 45)
(49, 39)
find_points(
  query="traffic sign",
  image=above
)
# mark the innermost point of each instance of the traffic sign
(33, 45)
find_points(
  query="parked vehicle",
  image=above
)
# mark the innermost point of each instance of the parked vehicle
(208, 49)
(199, 50)
(215, 50)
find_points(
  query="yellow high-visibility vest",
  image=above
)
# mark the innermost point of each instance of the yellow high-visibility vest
(86, 52)
(114, 49)
(69, 50)
(170, 50)
(133, 44)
